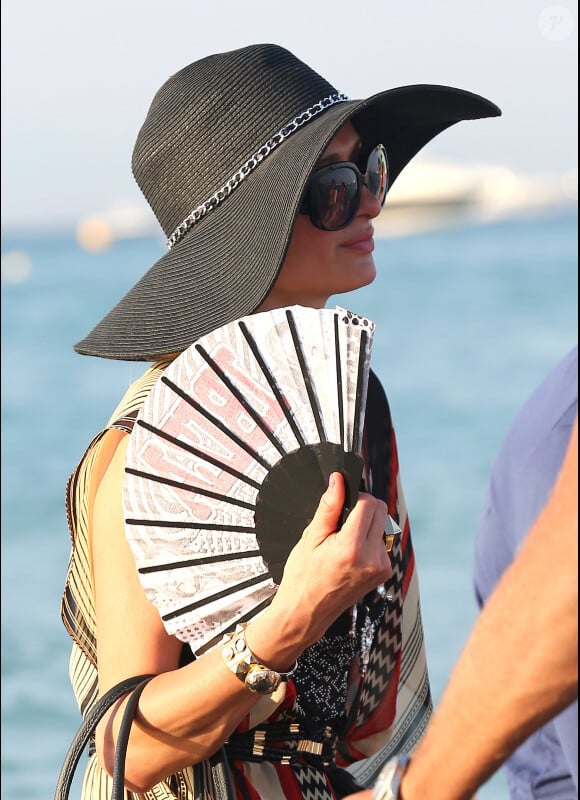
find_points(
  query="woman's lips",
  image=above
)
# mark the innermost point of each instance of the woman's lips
(363, 241)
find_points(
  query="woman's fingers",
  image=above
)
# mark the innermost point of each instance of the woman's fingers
(358, 544)
(325, 520)
(329, 569)
(365, 524)
(361, 533)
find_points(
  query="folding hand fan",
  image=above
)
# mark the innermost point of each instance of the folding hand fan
(230, 455)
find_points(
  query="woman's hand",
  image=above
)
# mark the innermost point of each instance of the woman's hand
(327, 571)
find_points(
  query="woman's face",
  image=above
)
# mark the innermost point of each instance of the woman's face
(321, 263)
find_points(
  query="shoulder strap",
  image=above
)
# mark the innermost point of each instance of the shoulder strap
(218, 763)
(88, 725)
(123, 740)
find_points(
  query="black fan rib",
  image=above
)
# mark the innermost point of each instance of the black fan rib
(216, 422)
(199, 562)
(198, 453)
(238, 587)
(241, 399)
(357, 446)
(339, 387)
(232, 625)
(189, 488)
(272, 383)
(306, 376)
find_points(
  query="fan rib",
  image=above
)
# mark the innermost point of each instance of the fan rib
(241, 399)
(339, 381)
(306, 377)
(238, 587)
(199, 562)
(238, 621)
(188, 488)
(198, 453)
(359, 386)
(272, 383)
(198, 526)
(217, 422)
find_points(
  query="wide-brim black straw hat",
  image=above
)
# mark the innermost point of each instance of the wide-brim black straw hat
(223, 158)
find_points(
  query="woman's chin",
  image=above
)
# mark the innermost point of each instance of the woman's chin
(362, 275)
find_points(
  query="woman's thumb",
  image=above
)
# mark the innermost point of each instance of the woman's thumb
(326, 518)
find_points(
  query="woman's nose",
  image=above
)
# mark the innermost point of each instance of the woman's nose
(369, 204)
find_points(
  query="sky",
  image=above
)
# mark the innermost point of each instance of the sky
(78, 78)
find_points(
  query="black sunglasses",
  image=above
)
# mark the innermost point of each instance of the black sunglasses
(333, 192)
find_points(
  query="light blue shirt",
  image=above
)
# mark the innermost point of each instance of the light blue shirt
(522, 477)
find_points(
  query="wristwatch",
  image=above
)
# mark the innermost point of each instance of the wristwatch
(242, 662)
(388, 784)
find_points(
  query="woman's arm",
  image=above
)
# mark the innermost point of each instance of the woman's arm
(185, 714)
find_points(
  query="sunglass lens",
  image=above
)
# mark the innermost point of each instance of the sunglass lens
(336, 197)
(377, 173)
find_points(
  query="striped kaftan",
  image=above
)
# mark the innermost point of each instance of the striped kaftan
(391, 705)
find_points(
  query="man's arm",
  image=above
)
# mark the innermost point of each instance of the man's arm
(519, 667)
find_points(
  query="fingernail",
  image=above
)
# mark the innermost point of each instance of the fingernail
(331, 481)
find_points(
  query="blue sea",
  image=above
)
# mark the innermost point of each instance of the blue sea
(468, 320)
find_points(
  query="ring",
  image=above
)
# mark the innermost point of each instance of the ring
(392, 530)
(382, 592)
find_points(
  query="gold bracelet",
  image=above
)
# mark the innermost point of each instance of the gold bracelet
(240, 660)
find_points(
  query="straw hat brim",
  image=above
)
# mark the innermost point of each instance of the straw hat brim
(226, 264)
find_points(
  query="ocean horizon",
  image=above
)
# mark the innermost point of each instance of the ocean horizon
(469, 319)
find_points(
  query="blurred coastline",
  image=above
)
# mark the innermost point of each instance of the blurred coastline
(430, 194)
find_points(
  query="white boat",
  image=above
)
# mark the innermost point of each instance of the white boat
(431, 194)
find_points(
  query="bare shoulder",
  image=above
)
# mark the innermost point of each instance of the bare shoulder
(110, 463)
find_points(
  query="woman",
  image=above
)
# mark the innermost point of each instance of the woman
(234, 159)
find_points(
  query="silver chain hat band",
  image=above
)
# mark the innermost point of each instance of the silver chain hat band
(251, 164)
